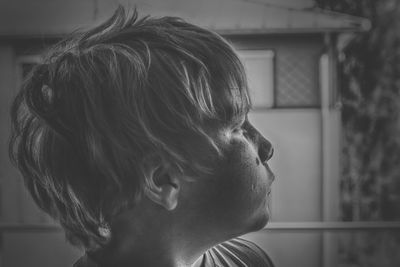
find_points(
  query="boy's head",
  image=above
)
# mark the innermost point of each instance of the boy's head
(111, 108)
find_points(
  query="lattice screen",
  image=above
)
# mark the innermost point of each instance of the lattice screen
(296, 79)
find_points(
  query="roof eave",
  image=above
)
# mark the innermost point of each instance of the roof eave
(286, 31)
(236, 31)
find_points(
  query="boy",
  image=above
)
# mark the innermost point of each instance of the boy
(134, 136)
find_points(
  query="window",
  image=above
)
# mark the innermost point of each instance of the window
(297, 76)
(259, 65)
(283, 79)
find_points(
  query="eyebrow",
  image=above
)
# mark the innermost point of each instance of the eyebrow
(238, 120)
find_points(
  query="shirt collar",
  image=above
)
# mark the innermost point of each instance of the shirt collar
(85, 261)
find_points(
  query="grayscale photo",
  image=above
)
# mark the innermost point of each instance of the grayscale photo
(200, 133)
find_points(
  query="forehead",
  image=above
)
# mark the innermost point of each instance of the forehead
(231, 111)
(234, 105)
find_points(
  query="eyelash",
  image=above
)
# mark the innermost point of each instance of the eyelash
(241, 130)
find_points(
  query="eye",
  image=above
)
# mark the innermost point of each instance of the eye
(240, 131)
(240, 128)
(237, 131)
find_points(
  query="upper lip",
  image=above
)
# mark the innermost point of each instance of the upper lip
(270, 173)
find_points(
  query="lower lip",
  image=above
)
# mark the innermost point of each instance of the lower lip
(271, 175)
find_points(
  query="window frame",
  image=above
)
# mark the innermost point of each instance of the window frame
(270, 54)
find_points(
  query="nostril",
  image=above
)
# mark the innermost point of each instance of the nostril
(265, 152)
(262, 152)
(271, 153)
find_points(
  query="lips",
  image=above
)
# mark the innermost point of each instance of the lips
(271, 175)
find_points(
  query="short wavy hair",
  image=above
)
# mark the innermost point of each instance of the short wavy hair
(104, 101)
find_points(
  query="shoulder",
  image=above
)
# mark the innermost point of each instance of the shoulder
(236, 252)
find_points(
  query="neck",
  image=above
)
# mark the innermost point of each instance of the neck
(142, 251)
(158, 242)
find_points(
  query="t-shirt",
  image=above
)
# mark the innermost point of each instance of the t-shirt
(234, 253)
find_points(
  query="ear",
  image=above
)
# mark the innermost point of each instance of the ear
(164, 187)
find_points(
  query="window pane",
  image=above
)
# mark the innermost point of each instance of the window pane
(297, 76)
(259, 67)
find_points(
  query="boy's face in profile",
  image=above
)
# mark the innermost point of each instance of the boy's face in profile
(234, 198)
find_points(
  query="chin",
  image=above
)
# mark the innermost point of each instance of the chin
(262, 222)
(262, 218)
(259, 222)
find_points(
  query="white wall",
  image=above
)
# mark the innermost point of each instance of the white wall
(296, 136)
(296, 192)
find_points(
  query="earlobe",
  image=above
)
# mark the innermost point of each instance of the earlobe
(164, 191)
(170, 197)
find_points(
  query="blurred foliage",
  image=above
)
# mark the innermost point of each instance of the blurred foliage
(370, 89)
(369, 249)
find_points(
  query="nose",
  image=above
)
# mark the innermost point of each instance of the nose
(265, 149)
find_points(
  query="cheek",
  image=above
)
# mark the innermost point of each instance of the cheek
(247, 175)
